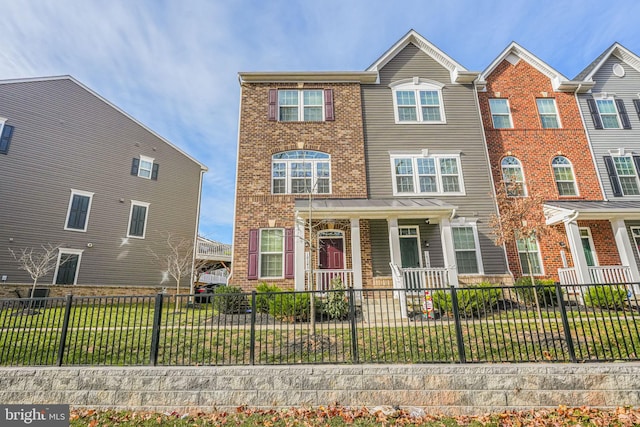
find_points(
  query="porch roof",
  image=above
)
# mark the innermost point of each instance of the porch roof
(564, 210)
(374, 208)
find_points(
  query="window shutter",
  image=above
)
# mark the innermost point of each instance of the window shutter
(252, 270)
(328, 105)
(154, 171)
(595, 115)
(636, 162)
(622, 111)
(636, 103)
(137, 220)
(5, 139)
(134, 166)
(289, 254)
(273, 105)
(613, 176)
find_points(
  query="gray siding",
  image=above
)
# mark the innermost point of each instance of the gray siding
(603, 140)
(462, 131)
(66, 138)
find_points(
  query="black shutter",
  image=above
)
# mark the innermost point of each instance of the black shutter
(636, 103)
(273, 105)
(328, 105)
(154, 171)
(622, 111)
(134, 166)
(137, 221)
(613, 176)
(78, 212)
(595, 115)
(5, 139)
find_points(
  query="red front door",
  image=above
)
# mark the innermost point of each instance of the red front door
(331, 258)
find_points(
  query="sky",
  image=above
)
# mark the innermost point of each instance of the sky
(173, 64)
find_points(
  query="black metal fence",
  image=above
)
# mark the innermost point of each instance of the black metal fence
(573, 323)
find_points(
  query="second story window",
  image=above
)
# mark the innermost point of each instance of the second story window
(513, 177)
(307, 105)
(78, 210)
(500, 113)
(427, 175)
(548, 113)
(300, 172)
(138, 219)
(563, 175)
(608, 113)
(418, 101)
(144, 167)
(623, 175)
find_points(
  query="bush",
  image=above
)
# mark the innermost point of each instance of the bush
(607, 297)
(229, 300)
(262, 300)
(545, 288)
(290, 306)
(336, 305)
(474, 300)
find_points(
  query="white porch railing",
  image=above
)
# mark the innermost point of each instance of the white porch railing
(323, 278)
(568, 276)
(599, 274)
(417, 278)
(214, 251)
(218, 276)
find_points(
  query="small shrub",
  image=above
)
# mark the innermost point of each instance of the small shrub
(290, 306)
(473, 301)
(265, 293)
(336, 305)
(607, 297)
(545, 288)
(229, 300)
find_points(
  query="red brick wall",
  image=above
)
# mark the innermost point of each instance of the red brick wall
(535, 147)
(260, 138)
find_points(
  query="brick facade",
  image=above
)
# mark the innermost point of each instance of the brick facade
(535, 147)
(260, 138)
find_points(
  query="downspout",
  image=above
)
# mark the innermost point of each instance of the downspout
(195, 238)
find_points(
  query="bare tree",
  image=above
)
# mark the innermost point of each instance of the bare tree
(37, 262)
(177, 260)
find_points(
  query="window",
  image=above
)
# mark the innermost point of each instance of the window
(465, 244)
(138, 219)
(144, 167)
(623, 175)
(635, 233)
(500, 113)
(548, 113)
(308, 105)
(530, 247)
(299, 172)
(6, 132)
(563, 174)
(67, 266)
(271, 252)
(78, 210)
(438, 174)
(418, 101)
(608, 113)
(513, 177)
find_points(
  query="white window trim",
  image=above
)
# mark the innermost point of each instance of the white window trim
(539, 259)
(633, 237)
(417, 236)
(593, 247)
(314, 175)
(86, 222)
(301, 105)
(145, 159)
(417, 84)
(557, 114)
(501, 114)
(474, 227)
(635, 173)
(62, 251)
(416, 180)
(260, 276)
(146, 218)
(3, 120)
(573, 172)
(607, 97)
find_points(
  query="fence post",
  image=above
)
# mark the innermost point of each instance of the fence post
(252, 339)
(155, 334)
(565, 324)
(456, 318)
(352, 317)
(65, 328)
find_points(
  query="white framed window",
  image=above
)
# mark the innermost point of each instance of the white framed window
(271, 256)
(301, 105)
(145, 168)
(67, 266)
(627, 175)
(513, 177)
(78, 210)
(433, 174)
(548, 112)
(138, 219)
(500, 113)
(530, 247)
(418, 101)
(300, 172)
(564, 177)
(608, 113)
(467, 249)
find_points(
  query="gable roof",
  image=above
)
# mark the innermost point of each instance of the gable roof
(459, 74)
(514, 52)
(110, 104)
(616, 50)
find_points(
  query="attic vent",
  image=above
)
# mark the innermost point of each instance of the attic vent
(618, 70)
(513, 59)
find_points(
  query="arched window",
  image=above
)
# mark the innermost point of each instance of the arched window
(301, 171)
(418, 101)
(513, 177)
(563, 174)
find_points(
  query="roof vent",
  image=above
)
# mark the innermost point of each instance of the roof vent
(618, 70)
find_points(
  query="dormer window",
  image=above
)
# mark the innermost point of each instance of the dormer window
(418, 101)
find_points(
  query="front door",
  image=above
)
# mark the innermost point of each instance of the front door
(409, 247)
(587, 246)
(331, 257)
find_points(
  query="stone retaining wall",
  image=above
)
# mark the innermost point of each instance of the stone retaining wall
(450, 389)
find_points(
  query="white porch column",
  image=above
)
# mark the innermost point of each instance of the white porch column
(356, 253)
(448, 251)
(577, 252)
(625, 249)
(394, 241)
(299, 254)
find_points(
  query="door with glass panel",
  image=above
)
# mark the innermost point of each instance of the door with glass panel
(410, 255)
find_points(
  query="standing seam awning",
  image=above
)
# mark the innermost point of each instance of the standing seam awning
(374, 208)
(559, 211)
